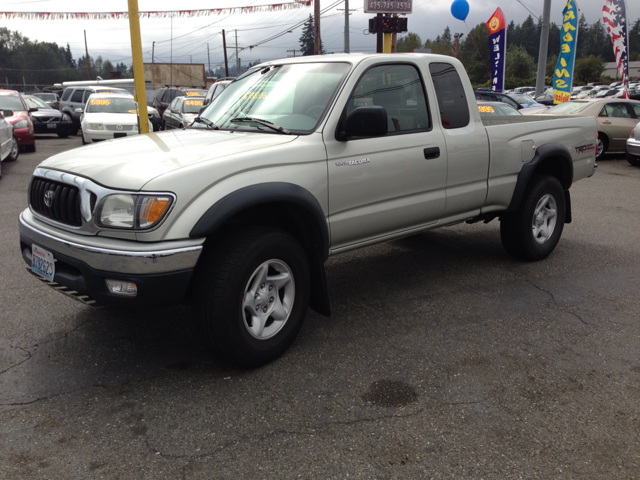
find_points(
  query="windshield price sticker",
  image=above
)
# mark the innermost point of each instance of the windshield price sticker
(388, 6)
(42, 263)
(193, 102)
(486, 109)
(193, 94)
(132, 111)
(254, 96)
(100, 102)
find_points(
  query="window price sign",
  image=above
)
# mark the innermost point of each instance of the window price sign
(388, 6)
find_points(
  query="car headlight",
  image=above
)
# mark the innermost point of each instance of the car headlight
(96, 126)
(21, 124)
(66, 118)
(132, 211)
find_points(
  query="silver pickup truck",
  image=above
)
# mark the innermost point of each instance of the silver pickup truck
(296, 160)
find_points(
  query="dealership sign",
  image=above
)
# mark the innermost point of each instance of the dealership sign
(388, 6)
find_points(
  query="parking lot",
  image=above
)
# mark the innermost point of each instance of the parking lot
(444, 358)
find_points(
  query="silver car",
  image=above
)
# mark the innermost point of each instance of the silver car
(181, 112)
(8, 142)
(633, 147)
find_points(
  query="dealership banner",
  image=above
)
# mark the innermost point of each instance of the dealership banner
(498, 49)
(563, 74)
(154, 14)
(614, 14)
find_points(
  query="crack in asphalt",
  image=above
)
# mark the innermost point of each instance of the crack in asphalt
(37, 344)
(553, 298)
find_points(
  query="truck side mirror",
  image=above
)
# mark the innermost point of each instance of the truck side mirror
(367, 121)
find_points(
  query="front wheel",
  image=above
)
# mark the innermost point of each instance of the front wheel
(533, 231)
(14, 152)
(250, 295)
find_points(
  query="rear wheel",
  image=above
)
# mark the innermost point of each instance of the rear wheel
(30, 148)
(533, 231)
(250, 295)
(635, 161)
(601, 145)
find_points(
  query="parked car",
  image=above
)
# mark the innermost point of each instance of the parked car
(48, 120)
(633, 147)
(489, 109)
(154, 118)
(516, 100)
(216, 89)
(615, 118)
(9, 150)
(21, 121)
(545, 99)
(165, 96)
(51, 99)
(109, 116)
(76, 97)
(524, 89)
(181, 112)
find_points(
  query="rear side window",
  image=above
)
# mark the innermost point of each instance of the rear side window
(77, 96)
(66, 94)
(454, 110)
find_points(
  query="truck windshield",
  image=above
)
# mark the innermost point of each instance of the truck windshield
(294, 97)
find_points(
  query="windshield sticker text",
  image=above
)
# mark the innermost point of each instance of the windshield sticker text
(100, 102)
(193, 102)
(486, 109)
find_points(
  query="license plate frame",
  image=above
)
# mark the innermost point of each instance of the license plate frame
(52, 126)
(43, 262)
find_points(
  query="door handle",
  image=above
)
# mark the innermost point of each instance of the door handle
(607, 122)
(432, 152)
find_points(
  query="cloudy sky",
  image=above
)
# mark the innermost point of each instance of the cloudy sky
(110, 38)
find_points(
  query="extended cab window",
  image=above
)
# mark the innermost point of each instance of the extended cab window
(454, 110)
(397, 88)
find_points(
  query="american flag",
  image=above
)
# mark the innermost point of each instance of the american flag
(614, 15)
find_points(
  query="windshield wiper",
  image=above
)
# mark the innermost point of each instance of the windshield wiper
(270, 125)
(207, 122)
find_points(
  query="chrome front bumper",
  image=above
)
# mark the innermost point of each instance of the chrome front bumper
(114, 255)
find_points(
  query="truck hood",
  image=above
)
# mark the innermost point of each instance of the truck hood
(129, 163)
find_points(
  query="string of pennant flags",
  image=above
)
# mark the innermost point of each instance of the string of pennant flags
(154, 14)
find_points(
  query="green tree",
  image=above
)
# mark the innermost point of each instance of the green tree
(474, 53)
(442, 44)
(409, 43)
(634, 42)
(308, 37)
(519, 63)
(588, 69)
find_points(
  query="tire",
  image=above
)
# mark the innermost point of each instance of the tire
(635, 161)
(15, 150)
(533, 231)
(602, 144)
(163, 126)
(235, 279)
(30, 148)
(75, 132)
(63, 135)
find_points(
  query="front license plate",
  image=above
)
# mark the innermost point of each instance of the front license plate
(42, 262)
(51, 126)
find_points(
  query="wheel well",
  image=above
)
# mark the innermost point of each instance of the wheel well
(558, 167)
(604, 137)
(298, 222)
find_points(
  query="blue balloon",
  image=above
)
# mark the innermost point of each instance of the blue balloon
(460, 9)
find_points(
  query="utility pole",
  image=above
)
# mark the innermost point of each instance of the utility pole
(346, 26)
(224, 47)
(153, 49)
(544, 45)
(86, 49)
(317, 49)
(208, 58)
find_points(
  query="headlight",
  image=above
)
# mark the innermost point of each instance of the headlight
(21, 124)
(66, 118)
(96, 126)
(132, 211)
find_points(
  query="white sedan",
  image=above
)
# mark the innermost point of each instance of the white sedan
(109, 116)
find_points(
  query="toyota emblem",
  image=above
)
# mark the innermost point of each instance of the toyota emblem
(119, 127)
(48, 198)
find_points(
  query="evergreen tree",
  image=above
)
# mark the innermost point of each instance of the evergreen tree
(308, 37)
(409, 43)
(519, 63)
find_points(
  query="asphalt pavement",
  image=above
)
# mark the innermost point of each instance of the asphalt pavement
(444, 358)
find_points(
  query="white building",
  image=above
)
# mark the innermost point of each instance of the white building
(610, 70)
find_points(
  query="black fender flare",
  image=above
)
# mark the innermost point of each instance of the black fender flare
(542, 153)
(276, 192)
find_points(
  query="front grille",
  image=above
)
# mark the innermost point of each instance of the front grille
(65, 201)
(46, 119)
(114, 128)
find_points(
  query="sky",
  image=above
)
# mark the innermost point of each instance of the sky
(186, 39)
